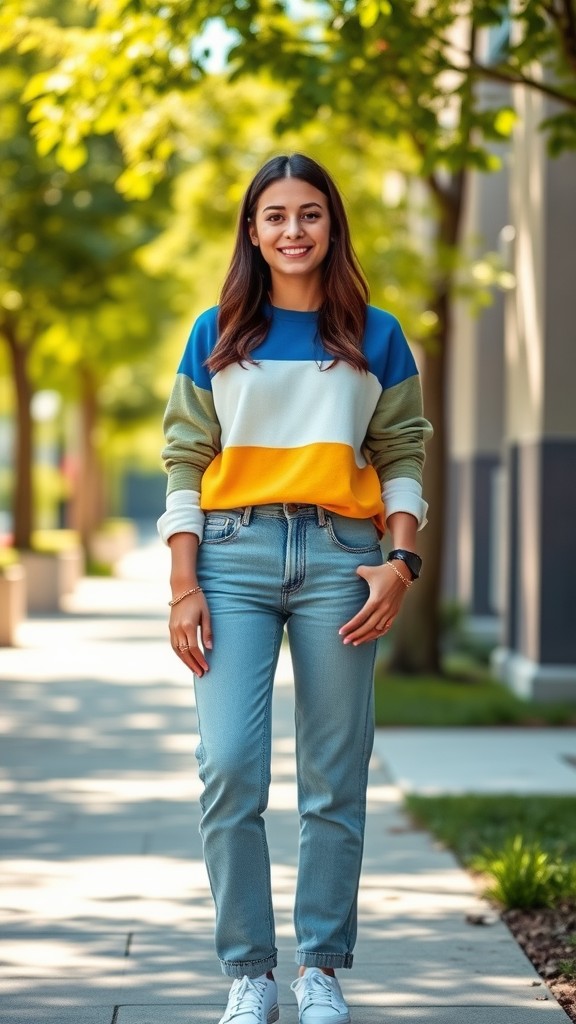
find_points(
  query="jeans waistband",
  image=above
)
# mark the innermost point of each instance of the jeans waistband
(284, 510)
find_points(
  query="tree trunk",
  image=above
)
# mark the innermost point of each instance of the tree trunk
(22, 501)
(416, 635)
(89, 501)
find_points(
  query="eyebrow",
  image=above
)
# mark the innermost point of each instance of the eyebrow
(304, 206)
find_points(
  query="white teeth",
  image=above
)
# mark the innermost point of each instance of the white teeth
(293, 252)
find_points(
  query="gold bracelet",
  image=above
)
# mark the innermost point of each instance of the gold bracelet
(407, 583)
(176, 600)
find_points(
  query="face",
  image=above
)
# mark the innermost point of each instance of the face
(292, 227)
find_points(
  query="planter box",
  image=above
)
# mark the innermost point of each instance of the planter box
(12, 603)
(51, 577)
(110, 545)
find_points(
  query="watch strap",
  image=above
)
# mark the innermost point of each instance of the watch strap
(410, 558)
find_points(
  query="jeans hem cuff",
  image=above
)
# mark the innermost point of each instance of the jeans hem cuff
(252, 968)
(307, 959)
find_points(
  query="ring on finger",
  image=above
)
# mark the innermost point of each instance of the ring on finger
(183, 647)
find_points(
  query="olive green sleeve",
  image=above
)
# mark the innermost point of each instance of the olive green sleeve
(192, 434)
(397, 432)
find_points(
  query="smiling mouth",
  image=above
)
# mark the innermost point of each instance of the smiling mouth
(295, 251)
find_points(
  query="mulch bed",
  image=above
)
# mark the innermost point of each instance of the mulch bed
(548, 937)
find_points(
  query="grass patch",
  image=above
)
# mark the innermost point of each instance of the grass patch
(524, 845)
(468, 824)
(466, 699)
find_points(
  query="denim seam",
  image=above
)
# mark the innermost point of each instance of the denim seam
(237, 968)
(363, 780)
(201, 758)
(344, 547)
(263, 786)
(306, 958)
(223, 534)
(296, 542)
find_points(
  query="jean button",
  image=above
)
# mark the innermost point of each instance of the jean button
(291, 509)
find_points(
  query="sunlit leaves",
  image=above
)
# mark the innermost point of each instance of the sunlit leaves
(504, 122)
(369, 11)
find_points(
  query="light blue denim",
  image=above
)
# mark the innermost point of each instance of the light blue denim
(263, 568)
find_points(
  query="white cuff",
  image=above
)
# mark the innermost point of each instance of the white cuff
(183, 515)
(405, 495)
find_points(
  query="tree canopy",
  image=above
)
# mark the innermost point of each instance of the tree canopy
(131, 67)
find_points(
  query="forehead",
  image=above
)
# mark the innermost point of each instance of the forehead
(291, 193)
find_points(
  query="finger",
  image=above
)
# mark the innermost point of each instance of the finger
(194, 660)
(206, 631)
(362, 631)
(369, 611)
(370, 632)
(191, 654)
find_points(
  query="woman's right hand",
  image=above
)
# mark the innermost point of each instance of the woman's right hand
(189, 623)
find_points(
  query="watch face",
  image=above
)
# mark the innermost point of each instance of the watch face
(414, 563)
(412, 560)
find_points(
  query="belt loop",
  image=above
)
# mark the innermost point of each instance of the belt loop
(321, 515)
(246, 515)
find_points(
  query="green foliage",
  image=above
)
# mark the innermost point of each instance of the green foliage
(469, 824)
(568, 968)
(78, 304)
(461, 701)
(72, 284)
(8, 557)
(525, 845)
(401, 70)
(95, 567)
(524, 875)
(51, 542)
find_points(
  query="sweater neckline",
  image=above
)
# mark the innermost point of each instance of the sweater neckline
(299, 315)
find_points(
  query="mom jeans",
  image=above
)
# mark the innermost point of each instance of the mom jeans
(264, 568)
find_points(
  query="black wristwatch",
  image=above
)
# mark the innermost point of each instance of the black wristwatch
(410, 558)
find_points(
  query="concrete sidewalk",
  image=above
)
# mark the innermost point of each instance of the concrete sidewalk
(106, 915)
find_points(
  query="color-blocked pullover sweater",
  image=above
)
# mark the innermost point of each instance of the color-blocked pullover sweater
(293, 428)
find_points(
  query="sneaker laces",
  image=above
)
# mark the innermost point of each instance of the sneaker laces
(318, 990)
(246, 996)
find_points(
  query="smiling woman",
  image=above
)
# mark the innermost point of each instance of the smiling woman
(295, 439)
(292, 204)
(291, 226)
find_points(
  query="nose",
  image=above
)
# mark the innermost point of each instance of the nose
(293, 227)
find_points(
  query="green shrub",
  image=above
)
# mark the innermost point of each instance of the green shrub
(568, 969)
(524, 875)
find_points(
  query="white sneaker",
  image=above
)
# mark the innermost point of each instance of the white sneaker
(320, 999)
(252, 1001)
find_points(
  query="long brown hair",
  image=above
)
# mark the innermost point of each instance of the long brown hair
(242, 320)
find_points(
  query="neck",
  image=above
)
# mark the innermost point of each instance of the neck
(291, 293)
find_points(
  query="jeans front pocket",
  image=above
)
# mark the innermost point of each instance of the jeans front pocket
(358, 536)
(220, 527)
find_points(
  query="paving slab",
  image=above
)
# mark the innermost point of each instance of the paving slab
(474, 760)
(197, 1014)
(106, 915)
(14, 1014)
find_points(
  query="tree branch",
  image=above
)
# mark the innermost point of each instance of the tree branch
(565, 20)
(498, 74)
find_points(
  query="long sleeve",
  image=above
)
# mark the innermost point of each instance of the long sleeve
(192, 434)
(398, 431)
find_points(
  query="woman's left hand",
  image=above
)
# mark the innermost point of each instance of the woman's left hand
(378, 613)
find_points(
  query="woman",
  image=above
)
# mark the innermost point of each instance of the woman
(295, 438)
